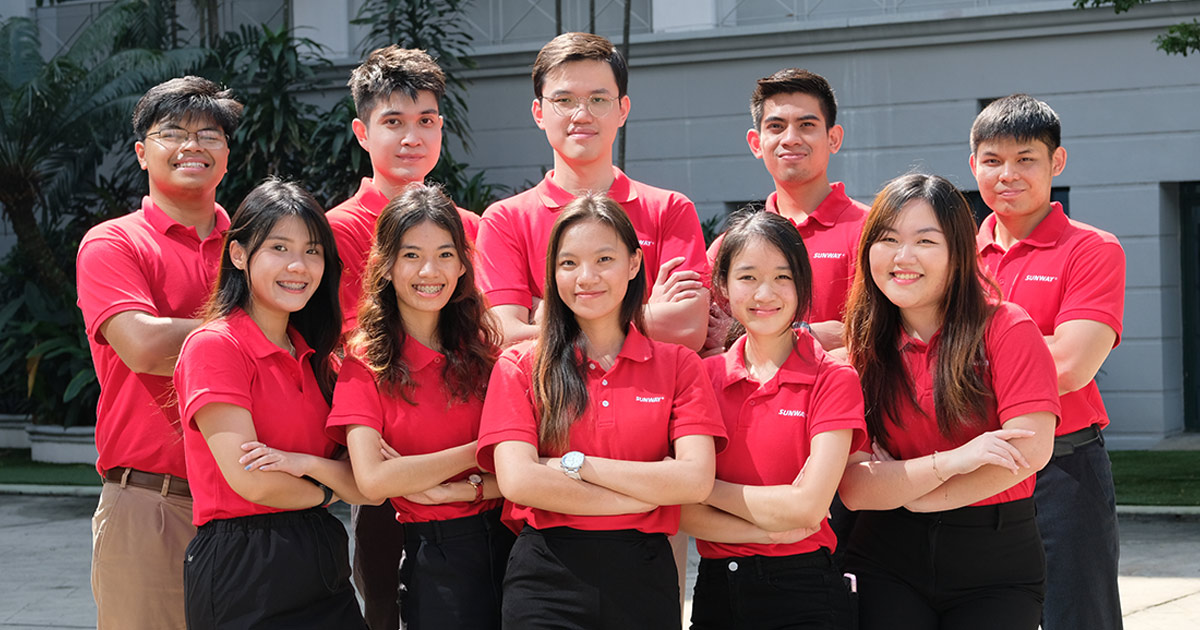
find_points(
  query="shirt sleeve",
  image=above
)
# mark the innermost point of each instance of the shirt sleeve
(1094, 288)
(212, 369)
(353, 262)
(1024, 379)
(501, 260)
(694, 410)
(355, 401)
(508, 413)
(681, 236)
(837, 404)
(110, 280)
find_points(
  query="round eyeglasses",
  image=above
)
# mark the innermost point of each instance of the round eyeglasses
(566, 106)
(206, 138)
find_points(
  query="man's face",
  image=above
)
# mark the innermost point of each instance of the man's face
(579, 136)
(403, 137)
(794, 141)
(1015, 176)
(185, 157)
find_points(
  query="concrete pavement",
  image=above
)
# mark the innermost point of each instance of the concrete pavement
(45, 552)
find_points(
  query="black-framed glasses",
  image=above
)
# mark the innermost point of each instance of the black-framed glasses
(566, 106)
(174, 137)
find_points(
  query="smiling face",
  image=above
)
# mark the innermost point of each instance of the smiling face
(580, 138)
(592, 270)
(425, 273)
(1015, 176)
(910, 263)
(283, 272)
(403, 137)
(794, 141)
(186, 169)
(762, 290)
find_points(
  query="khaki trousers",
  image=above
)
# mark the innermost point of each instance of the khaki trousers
(138, 542)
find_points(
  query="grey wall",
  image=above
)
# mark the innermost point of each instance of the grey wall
(908, 91)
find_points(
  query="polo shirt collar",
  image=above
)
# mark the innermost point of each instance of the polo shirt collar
(636, 347)
(908, 342)
(162, 223)
(417, 355)
(1045, 235)
(796, 369)
(257, 343)
(555, 197)
(370, 198)
(826, 213)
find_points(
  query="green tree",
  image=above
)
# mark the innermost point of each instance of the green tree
(59, 117)
(1180, 39)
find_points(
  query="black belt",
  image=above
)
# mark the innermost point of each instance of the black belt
(164, 484)
(454, 527)
(1067, 444)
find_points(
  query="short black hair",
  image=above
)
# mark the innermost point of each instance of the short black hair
(185, 97)
(1019, 117)
(394, 69)
(794, 81)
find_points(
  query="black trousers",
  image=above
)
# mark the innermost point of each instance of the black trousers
(561, 579)
(452, 572)
(378, 550)
(802, 591)
(977, 568)
(289, 571)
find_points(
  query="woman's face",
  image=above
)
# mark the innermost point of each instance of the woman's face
(910, 263)
(593, 269)
(762, 289)
(426, 270)
(284, 271)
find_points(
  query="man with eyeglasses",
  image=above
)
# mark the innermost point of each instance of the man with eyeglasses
(142, 280)
(580, 101)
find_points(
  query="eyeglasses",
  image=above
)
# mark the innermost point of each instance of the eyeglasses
(566, 106)
(206, 138)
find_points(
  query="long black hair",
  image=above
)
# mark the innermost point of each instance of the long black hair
(319, 322)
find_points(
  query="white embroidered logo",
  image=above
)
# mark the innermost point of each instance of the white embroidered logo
(796, 413)
(649, 399)
(1036, 278)
(834, 255)
(644, 242)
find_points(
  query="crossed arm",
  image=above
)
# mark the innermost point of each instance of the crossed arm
(382, 472)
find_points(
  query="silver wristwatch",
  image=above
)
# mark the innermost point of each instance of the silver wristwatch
(571, 463)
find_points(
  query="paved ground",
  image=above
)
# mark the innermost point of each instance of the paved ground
(45, 547)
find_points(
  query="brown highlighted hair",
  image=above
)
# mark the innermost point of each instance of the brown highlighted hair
(794, 81)
(394, 69)
(1017, 117)
(961, 394)
(570, 47)
(469, 338)
(559, 365)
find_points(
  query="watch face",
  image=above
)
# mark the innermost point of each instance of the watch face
(572, 460)
(474, 479)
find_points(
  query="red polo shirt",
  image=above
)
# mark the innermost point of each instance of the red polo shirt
(353, 223)
(771, 427)
(830, 234)
(434, 421)
(1020, 373)
(654, 394)
(1062, 271)
(143, 261)
(514, 235)
(230, 360)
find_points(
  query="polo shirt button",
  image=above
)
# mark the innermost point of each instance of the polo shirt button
(753, 402)
(733, 565)
(604, 403)
(604, 382)
(591, 366)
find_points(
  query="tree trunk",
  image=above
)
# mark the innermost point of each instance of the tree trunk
(33, 244)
